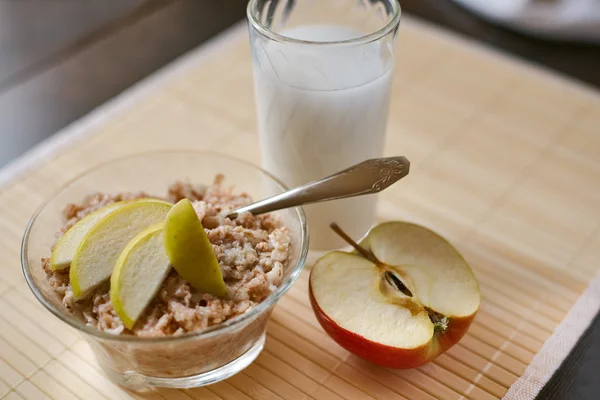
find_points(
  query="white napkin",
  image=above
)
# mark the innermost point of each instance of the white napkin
(555, 19)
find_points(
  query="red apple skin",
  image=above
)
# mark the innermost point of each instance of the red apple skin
(388, 356)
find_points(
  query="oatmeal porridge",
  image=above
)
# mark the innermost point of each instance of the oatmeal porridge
(252, 252)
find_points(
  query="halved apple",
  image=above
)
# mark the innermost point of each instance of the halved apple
(138, 274)
(100, 248)
(404, 297)
(190, 251)
(67, 245)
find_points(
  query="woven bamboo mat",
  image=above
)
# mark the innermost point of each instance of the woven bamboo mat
(505, 163)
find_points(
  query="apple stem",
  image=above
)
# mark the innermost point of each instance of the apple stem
(366, 253)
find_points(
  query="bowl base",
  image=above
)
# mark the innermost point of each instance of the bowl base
(139, 383)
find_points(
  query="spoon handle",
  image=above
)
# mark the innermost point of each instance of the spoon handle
(370, 176)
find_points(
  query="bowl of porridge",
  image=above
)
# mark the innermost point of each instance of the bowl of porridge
(184, 336)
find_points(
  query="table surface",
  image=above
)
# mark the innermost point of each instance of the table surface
(578, 60)
(504, 164)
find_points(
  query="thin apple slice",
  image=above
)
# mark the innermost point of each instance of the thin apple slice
(67, 245)
(190, 251)
(138, 274)
(100, 248)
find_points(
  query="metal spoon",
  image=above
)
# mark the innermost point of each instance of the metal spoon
(367, 177)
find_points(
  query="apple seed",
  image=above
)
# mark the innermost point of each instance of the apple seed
(393, 280)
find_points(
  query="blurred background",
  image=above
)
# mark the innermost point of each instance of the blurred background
(59, 59)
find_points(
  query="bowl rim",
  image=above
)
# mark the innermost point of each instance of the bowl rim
(211, 331)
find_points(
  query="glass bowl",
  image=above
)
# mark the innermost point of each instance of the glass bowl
(189, 360)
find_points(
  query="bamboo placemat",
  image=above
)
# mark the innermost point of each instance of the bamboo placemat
(505, 163)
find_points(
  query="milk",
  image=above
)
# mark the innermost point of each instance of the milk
(319, 113)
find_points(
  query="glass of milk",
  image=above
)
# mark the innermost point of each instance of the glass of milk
(323, 73)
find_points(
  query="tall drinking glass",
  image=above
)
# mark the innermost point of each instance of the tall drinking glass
(323, 72)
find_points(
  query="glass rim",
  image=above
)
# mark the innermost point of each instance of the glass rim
(211, 331)
(371, 37)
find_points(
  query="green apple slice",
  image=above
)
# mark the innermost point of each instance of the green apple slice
(190, 251)
(100, 248)
(138, 274)
(67, 245)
